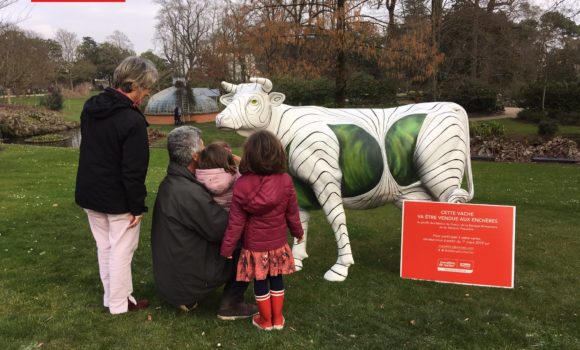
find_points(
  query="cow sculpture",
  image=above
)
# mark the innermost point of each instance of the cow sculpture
(357, 158)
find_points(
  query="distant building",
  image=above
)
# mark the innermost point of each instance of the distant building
(199, 106)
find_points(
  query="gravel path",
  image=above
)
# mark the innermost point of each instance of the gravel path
(509, 112)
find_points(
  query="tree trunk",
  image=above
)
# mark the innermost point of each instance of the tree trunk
(9, 95)
(340, 82)
(391, 26)
(474, 44)
(436, 15)
(545, 87)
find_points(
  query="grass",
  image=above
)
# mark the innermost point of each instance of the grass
(209, 132)
(51, 293)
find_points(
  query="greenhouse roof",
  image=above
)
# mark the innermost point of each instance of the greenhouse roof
(165, 101)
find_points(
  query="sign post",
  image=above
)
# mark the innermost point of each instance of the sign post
(458, 243)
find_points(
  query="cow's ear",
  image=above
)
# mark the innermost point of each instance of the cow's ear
(276, 98)
(227, 99)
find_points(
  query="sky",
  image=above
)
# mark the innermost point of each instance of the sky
(135, 18)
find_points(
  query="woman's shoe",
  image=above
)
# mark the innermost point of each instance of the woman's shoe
(140, 305)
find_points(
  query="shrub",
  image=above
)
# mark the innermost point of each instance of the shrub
(562, 117)
(548, 127)
(363, 89)
(474, 96)
(53, 101)
(305, 91)
(80, 90)
(560, 96)
(532, 116)
(565, 117)
(487, 129)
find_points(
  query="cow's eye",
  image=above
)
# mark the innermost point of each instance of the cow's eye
(253, 102)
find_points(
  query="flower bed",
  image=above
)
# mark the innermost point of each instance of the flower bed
(21, 121)
(508, 150)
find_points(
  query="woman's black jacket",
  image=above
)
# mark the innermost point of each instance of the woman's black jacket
(114, 155)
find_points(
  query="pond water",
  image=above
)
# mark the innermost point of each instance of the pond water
(73, 140)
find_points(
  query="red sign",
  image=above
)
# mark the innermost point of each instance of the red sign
(77, 0)
(458, 243)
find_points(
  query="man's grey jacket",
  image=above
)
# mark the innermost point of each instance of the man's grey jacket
(187, 230)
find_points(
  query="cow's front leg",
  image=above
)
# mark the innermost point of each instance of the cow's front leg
(299, 249)
(329, 195)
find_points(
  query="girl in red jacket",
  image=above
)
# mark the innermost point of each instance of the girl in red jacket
(263, 207)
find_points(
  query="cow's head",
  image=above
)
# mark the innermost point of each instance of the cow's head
(249, 106)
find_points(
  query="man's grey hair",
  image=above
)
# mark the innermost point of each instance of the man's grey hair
(182, 142)
(135, 72)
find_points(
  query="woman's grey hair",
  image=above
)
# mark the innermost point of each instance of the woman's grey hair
(135, 72)
(182, 142)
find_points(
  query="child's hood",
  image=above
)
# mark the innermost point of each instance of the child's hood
(261, 194)
(217, 180)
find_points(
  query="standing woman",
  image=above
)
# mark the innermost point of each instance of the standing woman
(110, 187)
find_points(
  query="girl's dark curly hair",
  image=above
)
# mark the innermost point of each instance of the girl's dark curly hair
(263, 154)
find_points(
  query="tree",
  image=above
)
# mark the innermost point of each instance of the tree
(68, 42)
(163, 68)
(88, 50)
(313, 38)
(104, 57)
(109, 57)
(183, 29)
(121, 41)
(4, 4)
(84, 71)
(27, 61)
(555, 28)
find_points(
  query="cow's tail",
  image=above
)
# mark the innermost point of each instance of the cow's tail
(468, 172)
(459, 195)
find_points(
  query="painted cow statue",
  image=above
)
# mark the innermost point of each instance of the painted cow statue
(357, 158)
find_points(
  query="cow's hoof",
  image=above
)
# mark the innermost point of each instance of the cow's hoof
(337, 273)
(298, 264)
(458, 195)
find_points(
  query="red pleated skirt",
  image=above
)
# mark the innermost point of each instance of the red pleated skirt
(258, 265)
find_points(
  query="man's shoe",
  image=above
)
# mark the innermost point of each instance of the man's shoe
(237, 312)
(187, 308)
(141, 304)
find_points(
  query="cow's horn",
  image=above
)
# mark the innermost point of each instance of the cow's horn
(266, 83)
(229, 87)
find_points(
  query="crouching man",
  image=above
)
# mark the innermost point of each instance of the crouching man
(187, 230)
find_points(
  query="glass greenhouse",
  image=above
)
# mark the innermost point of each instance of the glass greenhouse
(164, 102)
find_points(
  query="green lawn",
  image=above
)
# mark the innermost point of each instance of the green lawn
(50, 288)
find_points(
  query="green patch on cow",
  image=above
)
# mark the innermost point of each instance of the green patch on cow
(360, 160)
(400, 145)
(306, 198)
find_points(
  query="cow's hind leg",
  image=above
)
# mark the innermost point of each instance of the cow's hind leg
(414, 193)
(299, 249)
(440, 158)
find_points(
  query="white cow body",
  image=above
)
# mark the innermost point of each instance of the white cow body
(440, 157)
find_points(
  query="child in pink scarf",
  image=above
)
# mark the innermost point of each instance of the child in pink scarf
(217, 171)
